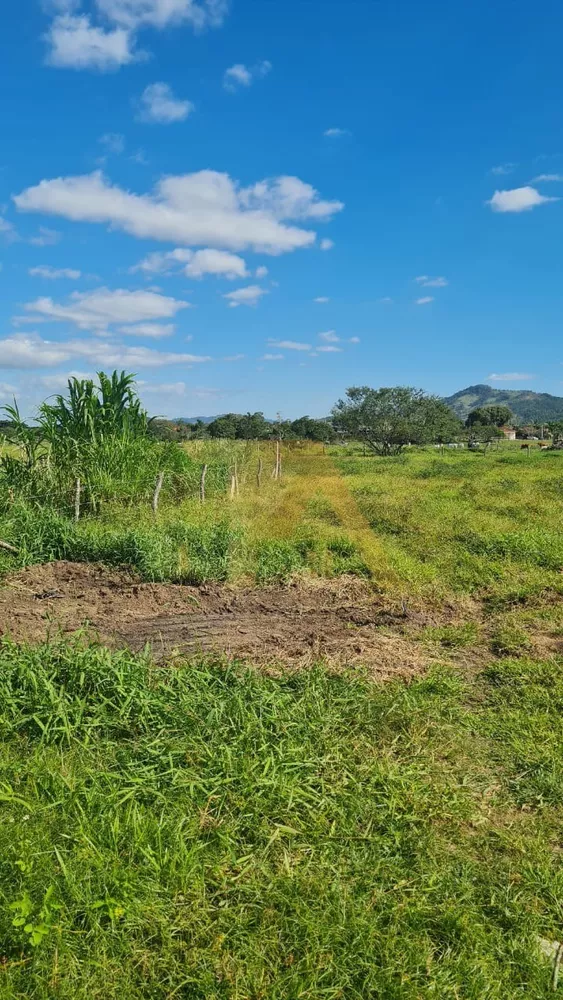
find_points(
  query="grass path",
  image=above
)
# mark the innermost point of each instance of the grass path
(282, 508)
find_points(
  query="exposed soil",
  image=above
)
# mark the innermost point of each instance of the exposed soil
(340, 620)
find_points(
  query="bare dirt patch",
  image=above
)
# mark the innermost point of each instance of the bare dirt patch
(340, 620)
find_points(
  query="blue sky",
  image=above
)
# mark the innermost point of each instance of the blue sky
(253, 205)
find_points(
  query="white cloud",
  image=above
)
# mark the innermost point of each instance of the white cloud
(290, 345)
(239, 75)
(261, 272)
(330, 349)
(204, 208)
(326, 244)
(194, 264)
(248, 296)
(163, 13)
(46, 271)
(510, 377)
(321, 299)
(45, 237)
(96, 310)
(329, 336)
(503, 169)
(154, 330)
(353, 340)
(234, 357)
(517, 200)
(427, 282)
(385, 301)
(158, 105)
(425, 300)
(114, 142)
(75, 43)
(547, 177)
(336, 133)
(272, 357)
(29, 351)
(218, 262)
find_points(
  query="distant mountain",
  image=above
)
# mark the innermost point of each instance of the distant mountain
(193, 420)
(528, 407)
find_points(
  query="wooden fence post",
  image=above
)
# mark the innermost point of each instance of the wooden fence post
(278, 460)
(157, 489)
(77, 501)
(202, 484)
(259, 474)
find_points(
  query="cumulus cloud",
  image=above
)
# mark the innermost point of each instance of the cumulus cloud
(353, 340)
(290, 345)
(427, 282)
(510, 377)
(261, 272)
(329, 336)
(326, 244)
(194, 264)
(239, 75)
(335, 133)
(424, 300)
(272, 357)
(52, 273)
(97, 310)
(159, 106)
(154, 330)
(518, 200)
(76, 41)
(330, 349)
(321, 299)
(204, 208)
(249, 296)
(29, 351)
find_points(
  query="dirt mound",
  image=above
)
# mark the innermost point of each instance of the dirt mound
(341, 621)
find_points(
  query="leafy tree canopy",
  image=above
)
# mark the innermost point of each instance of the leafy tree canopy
(496, 416)
(389, 418)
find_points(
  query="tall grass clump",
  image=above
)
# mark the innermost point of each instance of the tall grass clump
(94, 440)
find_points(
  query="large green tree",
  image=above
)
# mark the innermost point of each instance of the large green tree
(495, 416)
(387, 419)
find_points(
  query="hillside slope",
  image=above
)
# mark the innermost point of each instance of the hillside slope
(527, 406)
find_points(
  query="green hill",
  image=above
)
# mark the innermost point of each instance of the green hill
(528, 407)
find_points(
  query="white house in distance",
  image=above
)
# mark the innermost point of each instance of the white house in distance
(509, 433)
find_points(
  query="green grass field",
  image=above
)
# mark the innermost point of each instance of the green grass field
(208, 831)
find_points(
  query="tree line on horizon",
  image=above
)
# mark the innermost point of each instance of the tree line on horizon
(386, 419)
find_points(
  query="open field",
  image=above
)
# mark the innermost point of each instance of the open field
(248, 811)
